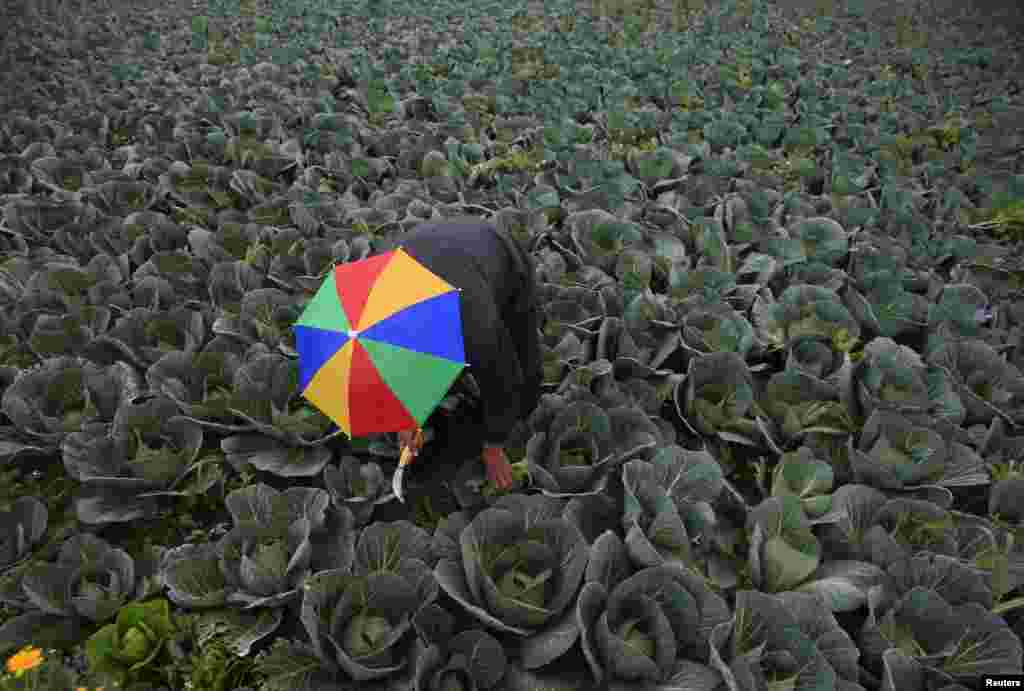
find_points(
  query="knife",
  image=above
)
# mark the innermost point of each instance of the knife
(408, 456)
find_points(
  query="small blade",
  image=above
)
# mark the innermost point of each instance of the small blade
(396, 479)
(396, 483)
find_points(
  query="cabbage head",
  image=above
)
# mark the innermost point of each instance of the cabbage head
(261, 562)
(62, 394)
(90, 579)
(470, 660)
(786, 641)
(667, 505)
(804, 311)
(358, 486)
(716, 399)
(987, 385)
(358, 618)
(134, 641)
(923, 631)
(569, 454)
(893, 377)
(516, 567)
(896, 453)
(649, 626)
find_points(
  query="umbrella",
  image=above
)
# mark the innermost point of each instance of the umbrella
(379, 345)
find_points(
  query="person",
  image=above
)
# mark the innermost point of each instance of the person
(499, 325)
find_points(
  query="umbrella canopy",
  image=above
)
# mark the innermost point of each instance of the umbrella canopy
(380, 344)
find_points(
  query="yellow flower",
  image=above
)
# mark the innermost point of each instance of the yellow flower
(25, 659)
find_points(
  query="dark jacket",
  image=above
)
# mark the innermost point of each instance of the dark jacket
(499, 313)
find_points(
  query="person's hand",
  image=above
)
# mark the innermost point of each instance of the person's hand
(412, 440)
(499, 470)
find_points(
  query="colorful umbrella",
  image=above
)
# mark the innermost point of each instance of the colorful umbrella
(380, 344)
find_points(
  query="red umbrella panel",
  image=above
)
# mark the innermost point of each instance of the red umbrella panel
(380, 344)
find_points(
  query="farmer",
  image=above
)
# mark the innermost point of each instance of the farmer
(499, 325)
